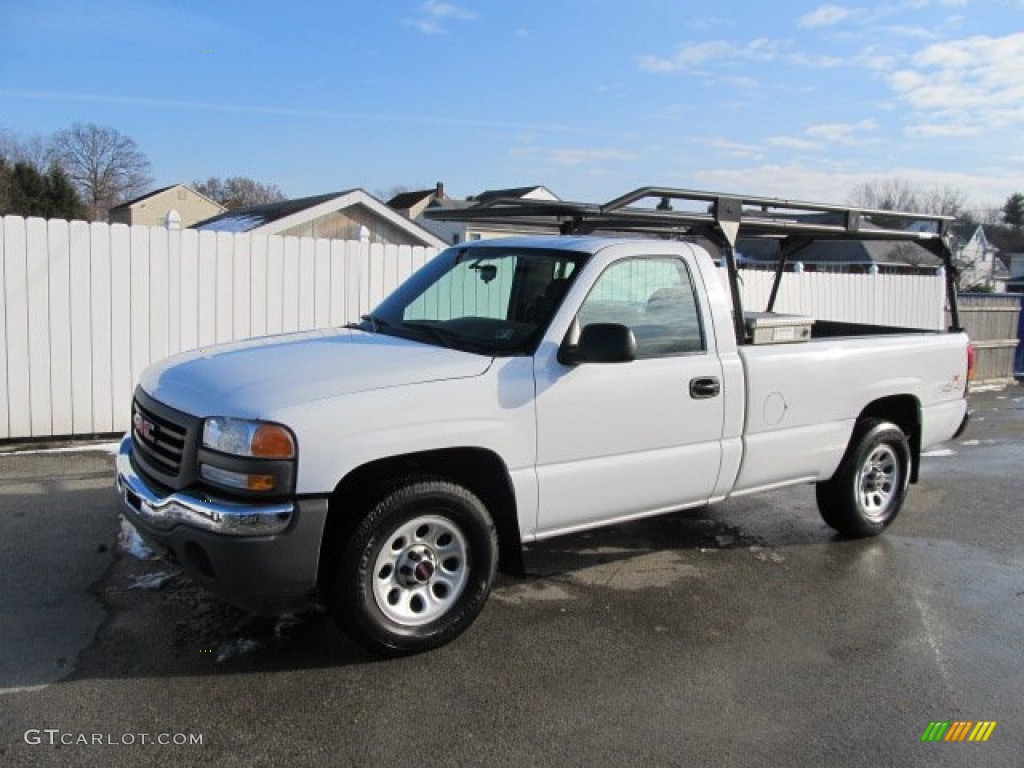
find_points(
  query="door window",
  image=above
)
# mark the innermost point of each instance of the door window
(655, 298)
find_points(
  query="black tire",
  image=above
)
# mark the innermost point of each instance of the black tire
(868, 489)
(417, 570)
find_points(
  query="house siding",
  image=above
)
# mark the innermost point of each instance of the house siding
(152, 211)
(347, 225)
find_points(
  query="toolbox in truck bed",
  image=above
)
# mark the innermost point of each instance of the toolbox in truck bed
(774, 328)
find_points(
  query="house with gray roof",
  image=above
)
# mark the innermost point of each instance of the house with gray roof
(174, 207)
(416, 204)
(352, 214)
(978, 259)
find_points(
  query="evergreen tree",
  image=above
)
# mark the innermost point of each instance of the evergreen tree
(62, 199)
(5, 186)
(1013, 211)
(24, 191)
(28, 191)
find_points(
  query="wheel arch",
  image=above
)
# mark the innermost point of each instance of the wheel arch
(479, 470)
(905, 412)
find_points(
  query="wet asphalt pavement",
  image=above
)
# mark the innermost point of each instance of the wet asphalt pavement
(741, 635)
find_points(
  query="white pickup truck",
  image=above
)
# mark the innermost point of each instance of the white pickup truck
(518, 389)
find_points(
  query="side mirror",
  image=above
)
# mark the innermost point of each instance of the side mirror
(600, 343)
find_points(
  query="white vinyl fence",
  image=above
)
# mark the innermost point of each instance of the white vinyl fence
(903, 301)
(86, 307)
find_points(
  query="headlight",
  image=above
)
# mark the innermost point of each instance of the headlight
(256, 439)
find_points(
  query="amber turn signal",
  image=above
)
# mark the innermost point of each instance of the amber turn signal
(272, 441)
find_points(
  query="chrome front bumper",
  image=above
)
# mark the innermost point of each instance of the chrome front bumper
(163, 513)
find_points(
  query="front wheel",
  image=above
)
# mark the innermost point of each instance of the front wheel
(417, 569)
(867, 491)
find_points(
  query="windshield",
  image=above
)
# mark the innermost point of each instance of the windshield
(488, 300)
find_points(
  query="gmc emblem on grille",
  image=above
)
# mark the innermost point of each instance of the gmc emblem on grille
(145, 429)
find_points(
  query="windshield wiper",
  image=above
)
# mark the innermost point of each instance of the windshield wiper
(375, 323)
(443, 335)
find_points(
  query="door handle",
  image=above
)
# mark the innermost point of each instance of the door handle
(703, 388)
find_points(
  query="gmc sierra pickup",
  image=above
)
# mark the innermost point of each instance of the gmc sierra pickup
(518, 389)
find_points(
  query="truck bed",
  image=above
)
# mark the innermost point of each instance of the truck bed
(832, 329)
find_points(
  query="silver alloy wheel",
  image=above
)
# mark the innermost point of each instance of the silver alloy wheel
(879, 481)
(421, 570)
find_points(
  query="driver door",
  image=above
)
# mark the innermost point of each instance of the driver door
(621, 440)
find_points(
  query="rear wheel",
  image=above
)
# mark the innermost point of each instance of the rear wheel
(869, 487)
(417, 569)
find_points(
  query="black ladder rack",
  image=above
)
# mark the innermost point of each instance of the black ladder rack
(722, 219)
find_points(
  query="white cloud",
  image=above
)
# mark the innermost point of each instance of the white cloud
(442, 10)
(742, 83)
(798, 181)
(878, 58)
(919, 33)
(574, 156)
(849, 134)
(734, 149)
(792, 142)
(817, 62)
(945, 130)
(825, 16)
(433, 13)
(963, 87)
(820, 136)
(691, 55)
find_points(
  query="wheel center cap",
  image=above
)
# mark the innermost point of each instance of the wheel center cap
(423, 571)
(874, 480)
(417, 566)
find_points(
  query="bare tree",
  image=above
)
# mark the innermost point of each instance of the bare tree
(990, 216)
(106, 166)
(902, 195)
(238, 192)
(33, 151)
(886, 195)
(944, 201)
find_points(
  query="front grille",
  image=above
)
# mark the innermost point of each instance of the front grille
(159, 439)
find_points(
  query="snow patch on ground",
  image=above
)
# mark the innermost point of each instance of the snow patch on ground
(284, 623)
(152, 581)
(129, 542)
(243, 646)
(110, 448)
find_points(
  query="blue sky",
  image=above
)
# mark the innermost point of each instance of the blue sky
(588, 97)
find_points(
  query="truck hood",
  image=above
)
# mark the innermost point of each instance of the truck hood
(254, 378)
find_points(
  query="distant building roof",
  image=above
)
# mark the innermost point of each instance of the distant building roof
(160, 191)
(140, 198)
(536, 192)
(1005, 238)
(966, 231)
(248, 219)
(412, 204)
(275, 218)
(409, 199)
(841, 251)
(172, 206)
